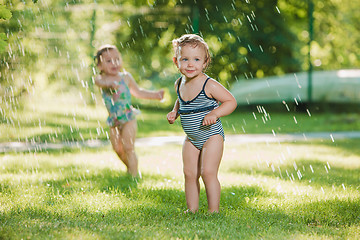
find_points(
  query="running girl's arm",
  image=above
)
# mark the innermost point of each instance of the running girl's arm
(138, 92)
(227, 100)
(100, 82)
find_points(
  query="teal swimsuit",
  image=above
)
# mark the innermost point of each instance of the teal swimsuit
(118, 104)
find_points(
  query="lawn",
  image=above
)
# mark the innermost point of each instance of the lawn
(61, 120)
(306, 190)
(303, 190)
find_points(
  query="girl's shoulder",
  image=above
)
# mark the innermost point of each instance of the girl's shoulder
(126, 76)
(98, 77)
(212, 85)
(177, 81)
(212, 82)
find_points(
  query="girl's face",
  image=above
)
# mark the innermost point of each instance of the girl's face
(191, 60)
(110, 63)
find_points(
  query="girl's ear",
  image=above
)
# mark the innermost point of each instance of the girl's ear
(175, 61)
(99, 66)
(206, 63)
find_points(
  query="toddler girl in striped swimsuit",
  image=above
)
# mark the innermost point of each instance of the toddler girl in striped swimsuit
(199, 111)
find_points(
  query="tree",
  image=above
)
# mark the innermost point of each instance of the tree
(246, 39)
(5, 14)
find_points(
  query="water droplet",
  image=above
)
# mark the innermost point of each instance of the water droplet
(295, 166)
(295, 119)
(328, 165)
(277, 9)
(299, 174)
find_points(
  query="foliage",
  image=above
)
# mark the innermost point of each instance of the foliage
(5, 14)
(245, 39)
(53, 41)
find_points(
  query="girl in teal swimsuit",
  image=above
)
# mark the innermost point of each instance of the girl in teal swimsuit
(116, 87)
(118, 103)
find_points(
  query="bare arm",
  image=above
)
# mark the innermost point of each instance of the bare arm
(173, 115)
(138, 92)
(227, 100)
(103, 82)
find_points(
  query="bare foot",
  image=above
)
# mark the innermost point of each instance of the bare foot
(189, 211)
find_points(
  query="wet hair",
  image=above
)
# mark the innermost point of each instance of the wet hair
(193, 40)
(101, 50)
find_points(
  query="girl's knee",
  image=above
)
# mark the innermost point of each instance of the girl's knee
(128, 148)
(208, 174)
(118, 148)
(191, 175)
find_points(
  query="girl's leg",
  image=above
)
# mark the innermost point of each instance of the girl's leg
(128, 135)
(123, 141)
(210, 161)
(117, 144)
(191, 170)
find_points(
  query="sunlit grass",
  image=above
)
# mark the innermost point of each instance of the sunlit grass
(300, 190)
(63, 121)
(306, 190)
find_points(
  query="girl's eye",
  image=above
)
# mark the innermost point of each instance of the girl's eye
(184, 59)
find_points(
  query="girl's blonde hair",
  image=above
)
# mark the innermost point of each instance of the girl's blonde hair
(101, 50)
(194, 40)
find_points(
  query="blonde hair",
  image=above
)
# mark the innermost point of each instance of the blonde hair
(194, 40)
(101, 50)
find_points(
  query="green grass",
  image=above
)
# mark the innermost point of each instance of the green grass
(50, 121)
(305, 190)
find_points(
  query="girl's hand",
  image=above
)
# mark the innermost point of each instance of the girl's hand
(161, 94)
(209, 119)
(172, 116)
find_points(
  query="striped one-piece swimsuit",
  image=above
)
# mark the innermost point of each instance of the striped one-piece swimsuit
(192, 114)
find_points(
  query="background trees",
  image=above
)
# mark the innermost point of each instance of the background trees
(50, 43)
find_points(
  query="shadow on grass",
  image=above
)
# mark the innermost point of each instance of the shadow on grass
(106, 180)
(151, 213)
(159, 214)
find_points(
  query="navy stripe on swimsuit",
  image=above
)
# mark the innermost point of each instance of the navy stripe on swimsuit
(192, 114)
